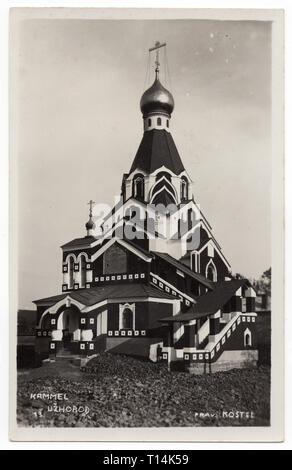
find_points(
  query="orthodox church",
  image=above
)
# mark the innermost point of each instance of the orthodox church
(150, 279)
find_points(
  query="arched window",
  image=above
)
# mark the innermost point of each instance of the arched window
(159, 121)
(211, 272)
(83, 270)
(138, 186)
(71, 272)
(149, 122)
(184, 189)
(127, 319)
(247, 338)
(167, 123)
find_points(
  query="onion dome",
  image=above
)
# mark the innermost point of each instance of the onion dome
(90, 225)
(157, 99)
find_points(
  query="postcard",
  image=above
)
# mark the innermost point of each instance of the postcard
(146, 253)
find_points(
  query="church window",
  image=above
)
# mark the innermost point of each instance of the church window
(83, 270)
(211, 271)
(71, 271)
(184, 189)
(190, 218)
(159, 121)
(127, 319)
(149, 122)
(247, 338)
(138, 187)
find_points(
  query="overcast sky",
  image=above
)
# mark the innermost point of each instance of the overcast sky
(79, 87)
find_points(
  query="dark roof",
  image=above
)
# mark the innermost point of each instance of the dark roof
(211, 302)
(139, 248)
(156, 149)
(164, 198)
(84, 241)
(111, 291)
(182, 267)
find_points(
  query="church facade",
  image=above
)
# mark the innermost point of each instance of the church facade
(150, 279)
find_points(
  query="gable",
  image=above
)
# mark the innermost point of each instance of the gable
(129, 247)
(115, 260)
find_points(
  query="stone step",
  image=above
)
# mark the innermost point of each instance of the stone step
(73, 359)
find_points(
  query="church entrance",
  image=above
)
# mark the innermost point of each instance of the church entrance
(68, 323)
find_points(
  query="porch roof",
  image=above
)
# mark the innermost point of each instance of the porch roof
(97, 294)
(209, 303)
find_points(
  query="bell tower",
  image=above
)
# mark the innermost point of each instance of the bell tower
(157, 175)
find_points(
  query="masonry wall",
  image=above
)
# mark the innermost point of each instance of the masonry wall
(227, 361)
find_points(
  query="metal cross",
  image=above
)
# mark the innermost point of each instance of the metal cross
(90, 203)
(156, 48)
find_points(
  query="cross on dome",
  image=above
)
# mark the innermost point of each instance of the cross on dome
(157, 99)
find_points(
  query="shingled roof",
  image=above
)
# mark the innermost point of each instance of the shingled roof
(157, 149)
(111, 291)
(182, 267)
(209, 303)
(80, 242)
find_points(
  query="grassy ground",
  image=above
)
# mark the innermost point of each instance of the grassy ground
(122, 391)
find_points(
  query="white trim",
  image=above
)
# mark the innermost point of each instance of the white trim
(197, 261)
(172, 287)
(151, 192)
(122, 307)
(134, 182)
(218, 251)
(246, 333)
(133, 299)
(211, 263)
(53, 309)
(126, 245)
(153, 122)
(83, 309)
(68, 256)
(231, 325)
(160, 190)
(86, 256)
(180, 273)
(163, 169)
(202, 223)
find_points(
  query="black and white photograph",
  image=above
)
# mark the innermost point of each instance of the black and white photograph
(143, 156)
